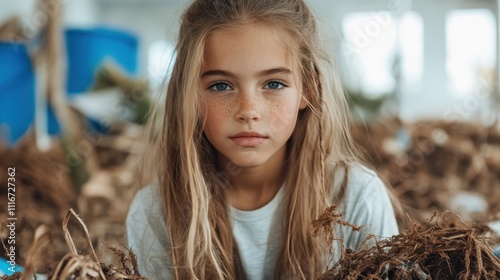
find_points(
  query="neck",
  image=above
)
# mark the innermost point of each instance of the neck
(253, 187)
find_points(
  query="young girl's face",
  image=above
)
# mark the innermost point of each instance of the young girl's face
(253, 94)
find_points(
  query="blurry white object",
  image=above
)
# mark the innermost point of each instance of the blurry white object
(466, 203)
(495, 226)
(106, 104)
(439, 136)
(393, 147)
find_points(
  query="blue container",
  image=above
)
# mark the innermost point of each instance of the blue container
(17, 91)
(88, 50)
(6, 268)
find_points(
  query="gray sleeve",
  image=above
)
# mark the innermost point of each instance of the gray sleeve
(147, 235)
(368, 205)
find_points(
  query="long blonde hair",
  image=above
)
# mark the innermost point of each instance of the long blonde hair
(202, 244)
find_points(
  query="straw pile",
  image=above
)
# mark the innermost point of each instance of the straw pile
(443, 248)
(45, 192)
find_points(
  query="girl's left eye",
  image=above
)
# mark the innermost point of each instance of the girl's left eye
(274, 85)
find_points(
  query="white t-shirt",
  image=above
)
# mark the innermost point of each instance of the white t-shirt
(366, 203)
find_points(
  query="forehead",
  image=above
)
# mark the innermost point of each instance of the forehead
(246, 48)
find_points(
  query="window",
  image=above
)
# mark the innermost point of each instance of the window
(470, 46)
(383, 50)
(411, 35)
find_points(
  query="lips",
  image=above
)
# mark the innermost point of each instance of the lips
(248, 139)
(248, 134)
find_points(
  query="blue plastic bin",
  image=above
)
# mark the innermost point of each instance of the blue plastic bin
(17, 91)
(87, 50)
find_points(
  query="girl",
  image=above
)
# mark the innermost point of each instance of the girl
(254, 146)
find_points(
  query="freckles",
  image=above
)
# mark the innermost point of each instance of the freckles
(283, 117)
(225, 109)
(219, 110)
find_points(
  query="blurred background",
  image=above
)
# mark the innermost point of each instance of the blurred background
(434, 60)
(77, 78)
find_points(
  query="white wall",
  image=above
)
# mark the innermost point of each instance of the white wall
(77, 12)
(21, 7)
(82, 12)
(434, 98)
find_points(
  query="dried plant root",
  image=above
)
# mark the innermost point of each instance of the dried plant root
(41, 240)
(435, 251)
(129, 264)
(75, 265)
(324, 225)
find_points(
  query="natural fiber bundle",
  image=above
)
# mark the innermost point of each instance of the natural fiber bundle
(78, 266)
(75, 264)
(44, 193)
(444, 249)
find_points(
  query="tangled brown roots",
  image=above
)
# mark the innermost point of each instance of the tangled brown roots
(446, 248)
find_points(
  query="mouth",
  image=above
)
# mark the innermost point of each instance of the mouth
(248, 139)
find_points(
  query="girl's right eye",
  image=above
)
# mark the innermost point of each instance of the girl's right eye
(219, 86)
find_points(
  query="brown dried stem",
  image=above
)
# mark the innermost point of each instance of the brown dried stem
(42, 238)
(72, 261)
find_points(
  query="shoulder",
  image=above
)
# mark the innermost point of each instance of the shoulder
(146, 210)
(365, 192)
(363, 181)
(146, 200)
(367, 203)
(147, 234)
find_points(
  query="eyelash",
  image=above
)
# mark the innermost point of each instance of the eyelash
(210, 87)
(282, 84)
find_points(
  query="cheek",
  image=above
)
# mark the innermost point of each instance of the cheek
(284, 117)
(217, 113)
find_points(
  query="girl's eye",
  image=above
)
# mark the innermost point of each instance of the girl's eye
(274, 85)
(219, 87)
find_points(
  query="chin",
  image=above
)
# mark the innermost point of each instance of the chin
(245, 163)
(248, 161)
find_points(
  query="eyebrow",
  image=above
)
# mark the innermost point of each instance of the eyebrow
(278, 70)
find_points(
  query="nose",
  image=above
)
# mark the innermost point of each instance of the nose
(248, 107)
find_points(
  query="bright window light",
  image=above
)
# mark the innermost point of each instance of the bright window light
(470, 46)
(371, 40)
(160, 62)
(371, 45)
(411, 35)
